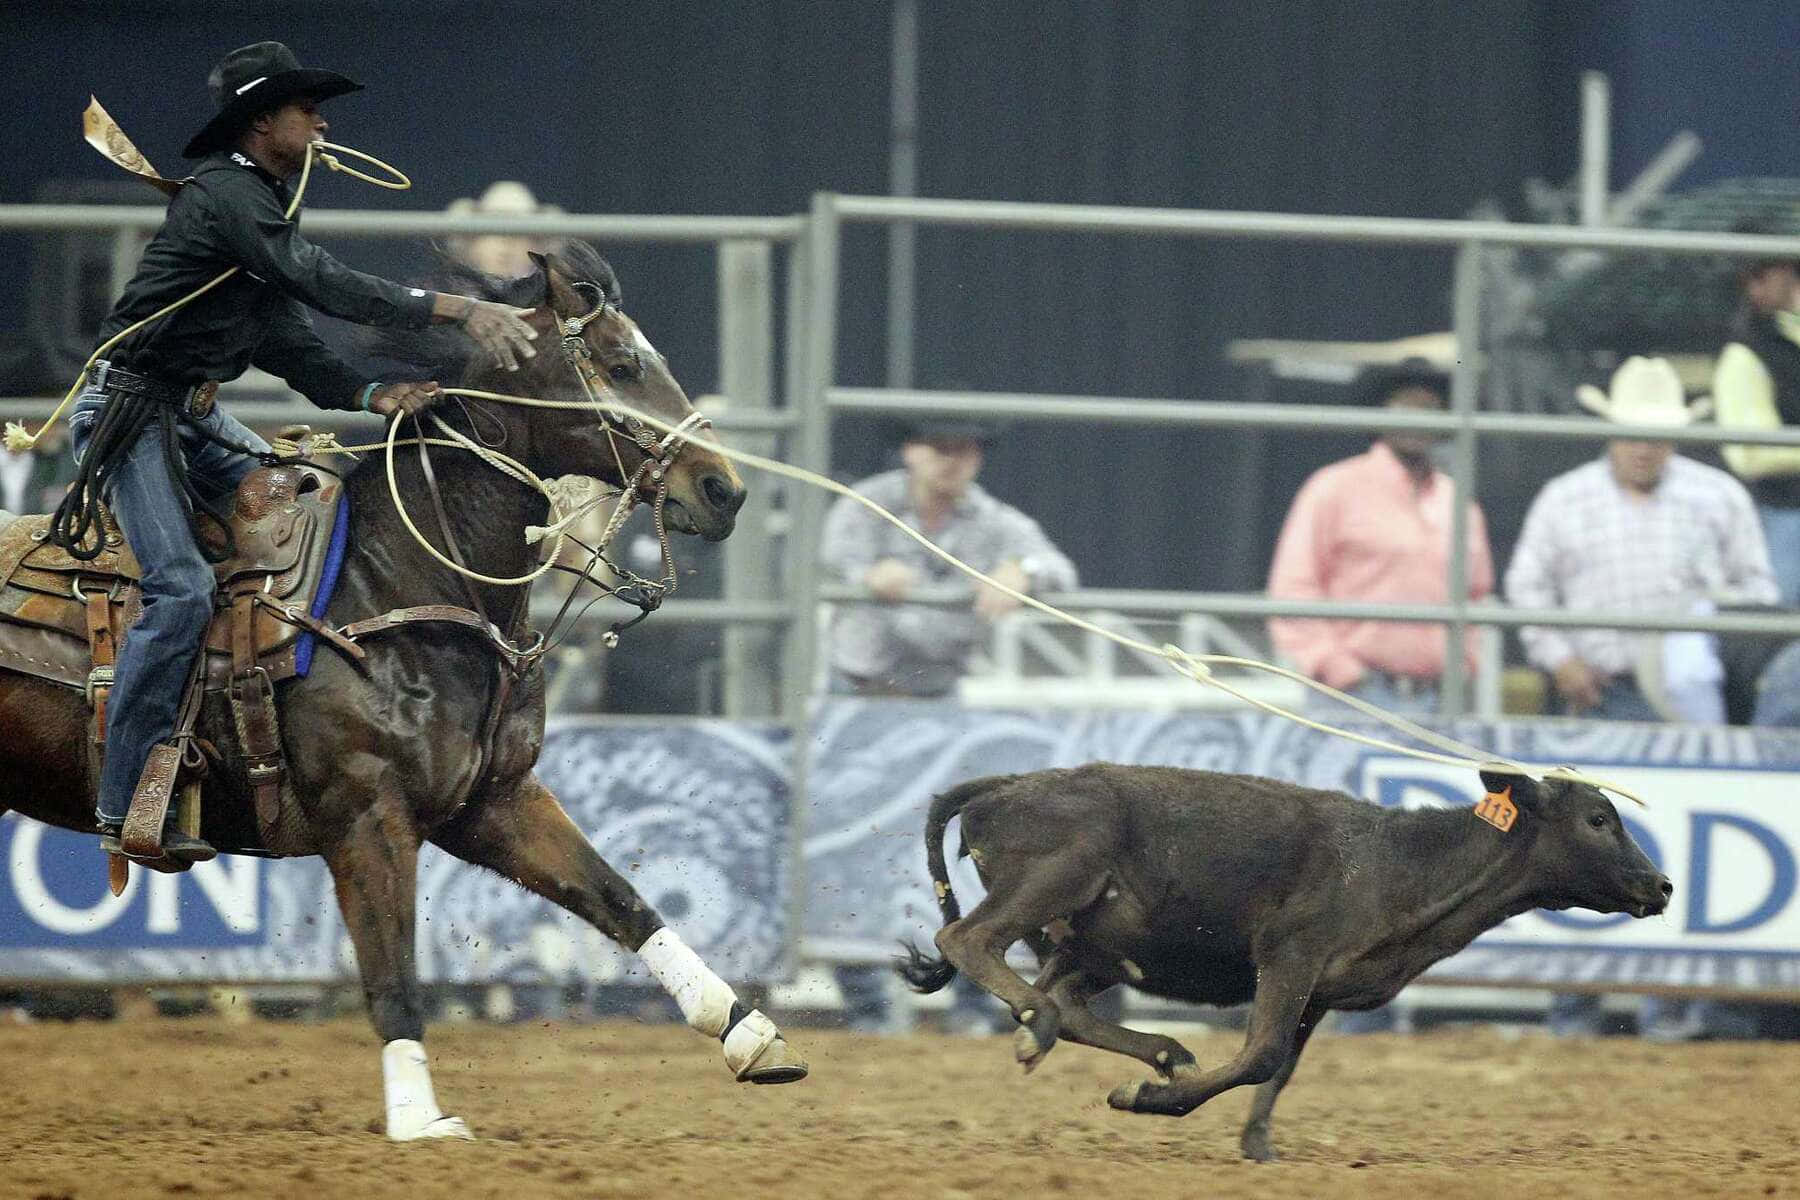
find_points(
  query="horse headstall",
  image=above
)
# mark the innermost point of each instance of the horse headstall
(660, 451)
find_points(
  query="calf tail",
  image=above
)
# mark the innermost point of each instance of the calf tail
(922, 972)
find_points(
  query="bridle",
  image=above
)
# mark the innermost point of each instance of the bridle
(659, 453)
(652, 473)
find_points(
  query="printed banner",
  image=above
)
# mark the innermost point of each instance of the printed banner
(1722, 823)
(695, 814)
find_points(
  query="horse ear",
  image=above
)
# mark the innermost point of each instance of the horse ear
(564, 300)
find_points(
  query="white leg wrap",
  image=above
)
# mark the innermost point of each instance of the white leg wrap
(412, 1107)
(745, 1044)
(705, 999)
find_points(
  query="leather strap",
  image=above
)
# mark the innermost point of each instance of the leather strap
(103, 647)
(516, 660)
(253, 712)
(443, 519)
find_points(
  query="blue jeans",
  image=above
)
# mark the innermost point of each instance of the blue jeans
(159, 649)
(1620, 700)
(1781, 526)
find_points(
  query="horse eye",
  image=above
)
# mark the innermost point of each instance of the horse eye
(1598, 820)
(621, 371)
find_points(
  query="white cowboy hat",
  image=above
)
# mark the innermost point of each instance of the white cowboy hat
(504, 197)
(1645, 391)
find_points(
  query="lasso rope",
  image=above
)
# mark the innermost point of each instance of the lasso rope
(1197, 667)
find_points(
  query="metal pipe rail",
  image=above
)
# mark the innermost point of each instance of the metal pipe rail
(1237, 604)
(353, 222)
(1092, 218)
(1025, 406)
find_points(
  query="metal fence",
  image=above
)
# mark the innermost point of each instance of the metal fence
(772, 582)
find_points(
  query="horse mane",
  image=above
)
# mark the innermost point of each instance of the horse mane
(441, 351)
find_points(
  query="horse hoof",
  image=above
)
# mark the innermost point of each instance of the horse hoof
(442, 1127)
(777, 1064)
(1125, 1096)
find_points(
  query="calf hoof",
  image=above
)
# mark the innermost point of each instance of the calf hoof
(1125, 1096)
(1035, 1036)
(440, 1127)
(1257, 1147)
(1176, 1063)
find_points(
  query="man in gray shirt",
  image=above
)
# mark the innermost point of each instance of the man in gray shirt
(891, 648)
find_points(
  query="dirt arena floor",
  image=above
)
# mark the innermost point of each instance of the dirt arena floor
(205, 1108)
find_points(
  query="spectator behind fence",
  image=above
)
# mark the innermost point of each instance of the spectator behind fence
(1640, 530)
(892, 648)
(504, 254)
(1375, 529)
(1756, 385)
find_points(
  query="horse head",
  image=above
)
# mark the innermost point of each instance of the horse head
(704, 489)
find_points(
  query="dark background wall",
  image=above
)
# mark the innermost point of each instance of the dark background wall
(1325, 106)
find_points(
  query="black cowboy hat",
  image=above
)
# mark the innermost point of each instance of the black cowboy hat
(1378, 382)
(950, 429)
(253, 80)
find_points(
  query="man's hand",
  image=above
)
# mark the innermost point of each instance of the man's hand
(499, 329)
(890, 579)
(408, 398)
(991, 602)
(1577, 684)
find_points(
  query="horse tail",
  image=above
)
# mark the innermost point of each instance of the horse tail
(923, 972)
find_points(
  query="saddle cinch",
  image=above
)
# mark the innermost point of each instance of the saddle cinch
(62, 618)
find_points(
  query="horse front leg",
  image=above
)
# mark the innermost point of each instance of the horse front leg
(374, 866)
(527, 837)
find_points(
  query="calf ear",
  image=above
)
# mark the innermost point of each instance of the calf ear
(1523, 789)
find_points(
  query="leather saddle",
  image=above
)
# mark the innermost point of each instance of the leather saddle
(62, 618)
(50, 601)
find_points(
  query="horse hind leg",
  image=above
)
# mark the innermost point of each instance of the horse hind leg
(527, 837)
(374, 866)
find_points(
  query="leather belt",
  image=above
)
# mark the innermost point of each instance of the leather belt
(196, 401)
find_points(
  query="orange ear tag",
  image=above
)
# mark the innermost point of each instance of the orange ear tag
(1498, 810)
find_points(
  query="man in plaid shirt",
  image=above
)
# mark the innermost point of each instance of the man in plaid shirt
(1639, 530)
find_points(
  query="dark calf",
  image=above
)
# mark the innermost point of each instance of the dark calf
(1222, 889)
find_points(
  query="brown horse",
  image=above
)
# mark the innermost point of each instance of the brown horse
(428, 738)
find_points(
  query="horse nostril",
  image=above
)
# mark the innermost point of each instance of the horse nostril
(1668, 889)
(719, 494)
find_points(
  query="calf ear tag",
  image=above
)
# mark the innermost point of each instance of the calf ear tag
(1498, 810)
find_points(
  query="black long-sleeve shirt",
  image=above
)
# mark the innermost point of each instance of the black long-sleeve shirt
(230, 214)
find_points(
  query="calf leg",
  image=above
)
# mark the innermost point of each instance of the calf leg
(527, 837)
(1255, 1139)
(1072, 991)
(1283, 993)
(1019, 903)
(374, 866)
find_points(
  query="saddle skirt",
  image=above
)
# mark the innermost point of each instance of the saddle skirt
(283, 520)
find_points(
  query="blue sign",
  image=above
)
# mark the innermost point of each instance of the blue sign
(56, 896)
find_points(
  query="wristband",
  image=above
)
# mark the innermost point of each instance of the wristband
(362, 397)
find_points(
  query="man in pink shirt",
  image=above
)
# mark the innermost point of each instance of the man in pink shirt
(1375, 529)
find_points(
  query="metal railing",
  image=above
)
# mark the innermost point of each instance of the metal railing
(766, 589)
(820, 397)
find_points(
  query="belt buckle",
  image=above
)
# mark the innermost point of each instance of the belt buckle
(200, 400)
